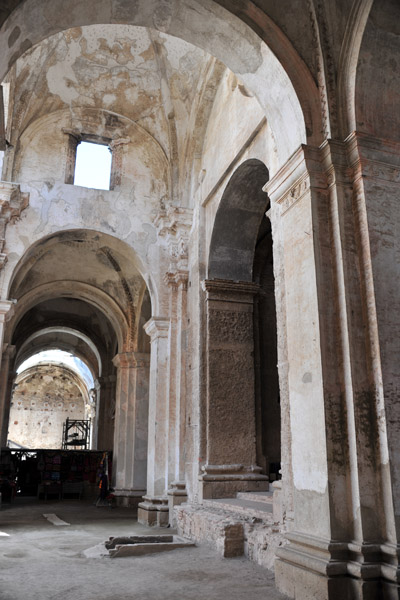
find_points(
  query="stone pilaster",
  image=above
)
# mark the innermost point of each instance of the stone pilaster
(174, 226)
(375, 174)
(3, 144)
(337, 421)
(72, 139)
(300, 221)
(154, 508)
(231, 437)
(130, 435)
(117, 148)
(105, 387)
(6, 381)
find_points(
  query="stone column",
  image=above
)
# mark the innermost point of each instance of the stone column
(130, 435)
(177, 390)
(231, 435)
(3, 144)
(173, 226)
(6, 311)
(375, 174)
(94, 395)
(154, 508)
(318, 433)
(105, 387)
(6, 381)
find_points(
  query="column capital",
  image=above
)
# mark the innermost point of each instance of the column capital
(131, 360)
(119, 142)
(374, 158)
(230, 291)
(177, 278)
(157, 327)
(302, 171)
(6, 310)
(12, 203)
(173, 220)
(100, 382)
(72, 132)
(174, 224)
(8, 351)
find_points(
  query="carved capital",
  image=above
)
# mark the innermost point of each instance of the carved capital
(157, 327)
(374, 158)
(173, 219)
(242, 292)
(174, 224)
(6, 310)
(73, 132)
(131, 360)
(178, 277)
(119, 142)
(300, 173)
(12, 203)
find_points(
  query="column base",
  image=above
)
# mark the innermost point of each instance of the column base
(176, 495)
(224, 481)
(310, 568)
(128, 498)
(153, 511)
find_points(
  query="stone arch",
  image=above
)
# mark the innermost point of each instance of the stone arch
(348, 65)
(230, 372)
(231, 41)
(15, 273)
(377, 87)
(40, 341)
(81, 291)
(237, 221)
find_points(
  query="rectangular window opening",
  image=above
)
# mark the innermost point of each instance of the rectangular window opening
(93, 166)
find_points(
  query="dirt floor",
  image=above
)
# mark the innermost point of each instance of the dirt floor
(41, 561)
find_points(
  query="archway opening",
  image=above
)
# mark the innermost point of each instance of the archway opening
(241, 304)
(74, 320)
(50, 388)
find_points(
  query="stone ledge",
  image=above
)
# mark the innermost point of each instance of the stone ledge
(230, 533)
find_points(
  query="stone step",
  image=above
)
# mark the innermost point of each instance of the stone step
(141, 545)
(256, 496)
(243, 508)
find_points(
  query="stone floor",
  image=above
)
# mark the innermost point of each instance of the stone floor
(42, 561)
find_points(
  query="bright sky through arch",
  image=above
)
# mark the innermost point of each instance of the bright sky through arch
(93, 166)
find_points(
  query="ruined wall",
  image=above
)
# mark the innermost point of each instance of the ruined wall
(43, 398)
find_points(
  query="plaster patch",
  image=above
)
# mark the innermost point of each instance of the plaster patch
(307, 377)
(14, 35)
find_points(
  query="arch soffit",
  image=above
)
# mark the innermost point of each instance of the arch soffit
(78, 290)
(204, 24)
(24, 352)
(79, 382)
(237, 222)
(16, 272)
(348, 60)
